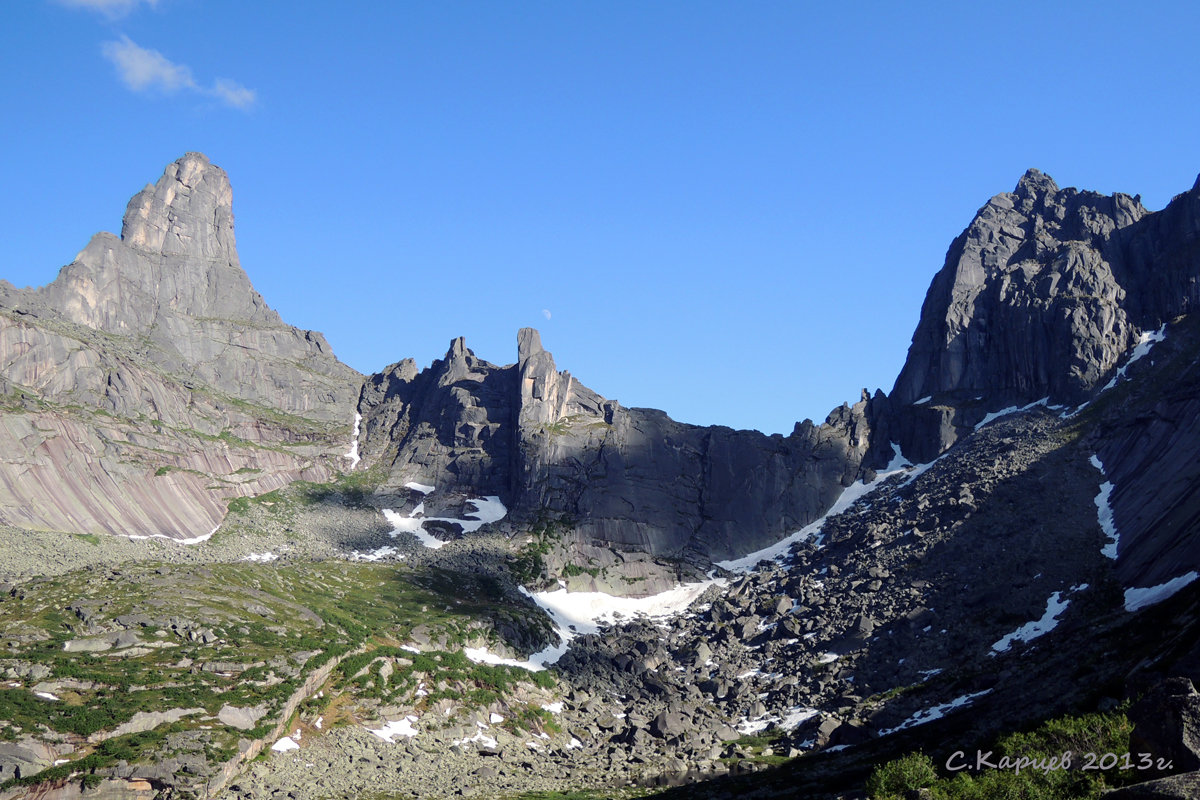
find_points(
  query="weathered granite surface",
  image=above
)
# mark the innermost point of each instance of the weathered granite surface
(150, 382)
(630, 478)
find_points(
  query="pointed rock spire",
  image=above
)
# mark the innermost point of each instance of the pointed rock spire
(1035, 182)
(176, 255)
(189, 212)
(529, 344)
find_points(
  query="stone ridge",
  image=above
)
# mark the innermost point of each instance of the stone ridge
(628, 479)
(1030, 301)
(198, 384)
(176, 255)
(188, 212)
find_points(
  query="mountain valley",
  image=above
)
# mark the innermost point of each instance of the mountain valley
(233, 567)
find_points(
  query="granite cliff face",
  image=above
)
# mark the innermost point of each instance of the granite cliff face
(1040, 561)
(1060, 294)
(630, 479)
(1042, 296)
(150, 382)
(1028, 304)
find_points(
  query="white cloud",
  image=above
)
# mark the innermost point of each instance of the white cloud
(546, 313)
(142, 69)
(233, 93)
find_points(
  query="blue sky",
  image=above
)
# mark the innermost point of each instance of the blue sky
(730, 211)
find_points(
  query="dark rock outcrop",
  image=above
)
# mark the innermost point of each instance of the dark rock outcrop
(629, 478)
(1028, 304)
(1043, 295)
(1166, 723)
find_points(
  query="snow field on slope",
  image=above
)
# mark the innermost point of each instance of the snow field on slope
(1004, 412)
(1055, 606)
(847, 498)
(352, 453)
(936, 712)
(1137, 599)
(1104, 512)
(578, 613)
(401, 727)
(487, 509)
(1146, 341)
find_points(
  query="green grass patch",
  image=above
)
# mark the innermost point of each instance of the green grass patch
(1047, 779)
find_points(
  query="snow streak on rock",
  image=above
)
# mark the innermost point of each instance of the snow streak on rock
(1055, 606)
(1104, 513)
(1004, 412)
(847, 498)
(1137, 599)
(577, 613)
(1146, 341)
(352, 454)
(936, 712)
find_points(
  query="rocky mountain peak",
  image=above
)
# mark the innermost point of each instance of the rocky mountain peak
(189, 212)
(1043, 255)
(176, 257)
(1035, 183)
(529, 344)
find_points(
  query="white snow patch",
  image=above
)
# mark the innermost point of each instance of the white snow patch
(575, 744)
(481, 655)
(1146, 341)
(794, 717)
(1073, 411)
(47, 695)
(847, 498)
(495, 718)
(828, 658)
(923, 400)
(1137, 599)
(262, 558)
(60, 761)
(285, 744)
(575, 613)
(1032, 630)
(749, 674)
(553, 708)
(749, 727)
(487, 509)
(352, 453)
(937, 712)
(377, 554)
(414, 526)
(1104, 513)
(320, 722)
(401, 727)
(994, 415)
(195, 540)
(423, 488)
(410, 648)
(481, 738)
